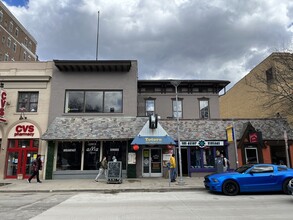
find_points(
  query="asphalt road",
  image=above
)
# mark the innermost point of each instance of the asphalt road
(145, 205)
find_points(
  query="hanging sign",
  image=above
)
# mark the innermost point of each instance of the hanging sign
(2, 105)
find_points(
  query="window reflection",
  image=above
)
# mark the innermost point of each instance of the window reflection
(69, 156)
(93, 101)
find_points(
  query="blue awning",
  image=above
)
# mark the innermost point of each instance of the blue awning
(153, 140)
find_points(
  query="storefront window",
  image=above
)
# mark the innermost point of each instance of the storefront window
(208, 158)
(69, 156)
(204, 157)
(23, 143)
(195, 157)
(117, 149)
(91, 155)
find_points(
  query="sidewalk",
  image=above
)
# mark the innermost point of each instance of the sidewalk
(88, 185)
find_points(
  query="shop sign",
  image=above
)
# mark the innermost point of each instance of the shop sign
(2, 105)
(199, 143)
(253, 137)
(24, 130)
(69, 150)
(92, 149)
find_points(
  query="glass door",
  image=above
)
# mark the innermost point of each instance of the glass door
(20, 155)
(251, 155)
(152, 162)
(12, 164)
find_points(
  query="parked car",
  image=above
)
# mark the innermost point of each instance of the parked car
(250, 178)
(290, 187)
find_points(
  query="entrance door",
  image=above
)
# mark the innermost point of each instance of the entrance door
(251, 155)
(20, 156)
(152, 162)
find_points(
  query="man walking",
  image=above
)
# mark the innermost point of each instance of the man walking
(103, 169)
(37, 165)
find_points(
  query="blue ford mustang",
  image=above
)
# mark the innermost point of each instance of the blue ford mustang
(250, 178)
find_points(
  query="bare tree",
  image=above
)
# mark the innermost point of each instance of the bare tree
(273, 83)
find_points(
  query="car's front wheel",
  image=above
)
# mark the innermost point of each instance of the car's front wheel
(230, 188)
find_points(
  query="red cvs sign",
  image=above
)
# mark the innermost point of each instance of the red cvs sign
(2, 105)
(24, 130)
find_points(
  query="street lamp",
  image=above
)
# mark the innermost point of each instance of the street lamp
(176, 83)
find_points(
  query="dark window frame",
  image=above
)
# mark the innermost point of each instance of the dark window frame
(84, 101)
(30, 105)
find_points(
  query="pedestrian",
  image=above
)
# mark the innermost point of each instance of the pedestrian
(103, 169)
(114, 159)
(37, 166)
(226, 163)
(173, 168)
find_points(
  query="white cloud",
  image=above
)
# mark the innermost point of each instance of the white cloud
(194, 39)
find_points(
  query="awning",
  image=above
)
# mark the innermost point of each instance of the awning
(157, 136)
(153, 140)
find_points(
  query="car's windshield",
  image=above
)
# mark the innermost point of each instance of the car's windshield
(243, 168)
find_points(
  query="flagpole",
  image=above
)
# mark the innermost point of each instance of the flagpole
(98, 29)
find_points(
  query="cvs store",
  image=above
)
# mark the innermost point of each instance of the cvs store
(23, 145)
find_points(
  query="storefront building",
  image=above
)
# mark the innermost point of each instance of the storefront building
(25, 89)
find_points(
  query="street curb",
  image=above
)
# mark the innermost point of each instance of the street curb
(109, 191)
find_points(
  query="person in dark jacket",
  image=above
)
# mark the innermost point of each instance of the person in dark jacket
(37, 165)
(103, 169)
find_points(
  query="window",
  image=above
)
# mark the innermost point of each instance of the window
(10, 26)
(93, 101)
(149, 107)
(204, 109)
(174, 103)
(1, 16)
(30, 45)
(6, 57)
(16, 32)
(27, 101)
(69, 155)
(9, 42)
(14, 47)
(262, 169)
(91, 155)
(24, 55)
(25, 41)
(269, 75)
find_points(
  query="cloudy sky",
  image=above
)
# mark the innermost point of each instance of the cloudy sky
(187, 39)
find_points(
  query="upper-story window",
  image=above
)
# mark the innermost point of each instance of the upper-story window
(93, 101)
(24, 55)
(27, 101)
(25, 41)
(9, 42)
(30, 45)
(10, 28)
(149, 107)
(3, 39)
(16, 32)
(14, 47)
(174, 107)
(269, 75)
(204, 109)
(1, 16)
(6, 57)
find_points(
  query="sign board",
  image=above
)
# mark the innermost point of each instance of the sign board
(114, 172)
(206, 143)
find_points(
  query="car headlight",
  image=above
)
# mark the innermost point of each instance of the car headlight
(215, 180)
